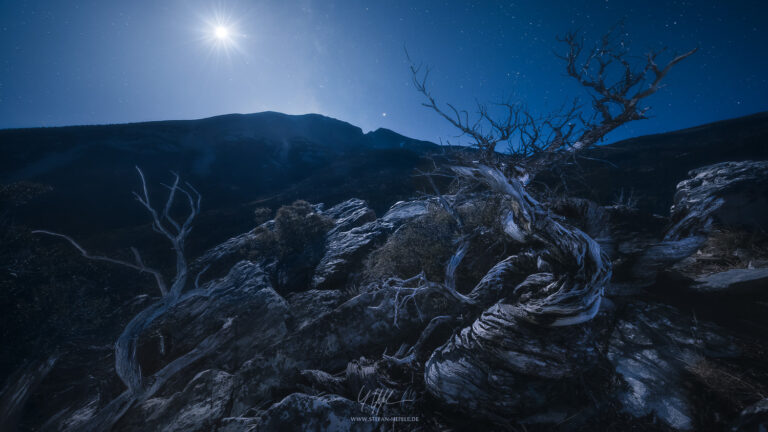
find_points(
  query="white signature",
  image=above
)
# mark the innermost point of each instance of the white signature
(374, 400)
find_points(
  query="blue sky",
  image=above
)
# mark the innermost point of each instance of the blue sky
(95, 62)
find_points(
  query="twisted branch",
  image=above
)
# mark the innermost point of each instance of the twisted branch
(126, 362)
(615, 86)
(137, 265)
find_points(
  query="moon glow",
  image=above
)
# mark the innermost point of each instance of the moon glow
(221, 33)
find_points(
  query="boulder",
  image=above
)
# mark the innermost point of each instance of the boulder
(307, 306)
(652, 348)
(238, 424)
(198, 407)
(363, 325)
(231, 247)
(403, 211)
(349, 214)
(727, 193)
(343, 250)
(245, 297)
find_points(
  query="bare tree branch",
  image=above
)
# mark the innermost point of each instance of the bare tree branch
(616, 87)
(126, 362)
(138, 265)
(178, 237)
(618, 101)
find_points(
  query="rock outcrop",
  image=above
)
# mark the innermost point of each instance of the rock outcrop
(652, 348)
(716, 202)
(540, 337)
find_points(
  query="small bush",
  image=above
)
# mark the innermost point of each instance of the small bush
(425, 243)
(297, 233)
(263, 245)
(261, 215)
(482, 213)
(294, 242)
(730, 249)
(299, 227)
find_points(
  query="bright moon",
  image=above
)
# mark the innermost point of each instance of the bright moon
(221, 33)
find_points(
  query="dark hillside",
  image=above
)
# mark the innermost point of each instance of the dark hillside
(649, 167)
(263, 159)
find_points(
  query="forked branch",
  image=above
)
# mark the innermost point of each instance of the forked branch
(163, 223)
(616, 86)
(138, 264)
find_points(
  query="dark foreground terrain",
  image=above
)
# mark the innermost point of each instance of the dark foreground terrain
(633, 295)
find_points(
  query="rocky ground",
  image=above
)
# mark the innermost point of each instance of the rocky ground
(484, 304)
(581, 317)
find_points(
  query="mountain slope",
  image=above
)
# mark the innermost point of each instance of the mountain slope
(318, 280)
(265, 159)
(269, 159)
(649, 167)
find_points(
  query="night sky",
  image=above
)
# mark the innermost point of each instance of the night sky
(94, 62)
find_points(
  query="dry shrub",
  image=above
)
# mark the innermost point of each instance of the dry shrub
(297, 231)
(489, 244)
(294, 242)
(428, 242)
(261, 215)
(263, 244)
(425, 243)
(484, 212)
(730, 249)
(299, 227)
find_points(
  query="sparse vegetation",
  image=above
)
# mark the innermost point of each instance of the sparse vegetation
(424, 244)
(482, 213)
(299, 227)
(19, 193)
(295, 241)
(297, 230)
(730, 249)
(261, 215)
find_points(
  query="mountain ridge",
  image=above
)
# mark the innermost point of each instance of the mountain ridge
(272, 158)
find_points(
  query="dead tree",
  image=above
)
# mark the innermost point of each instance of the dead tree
(559, 282)
(127, 366)
(616, 86)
